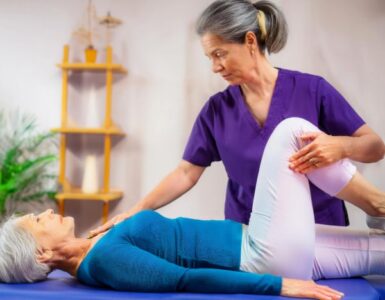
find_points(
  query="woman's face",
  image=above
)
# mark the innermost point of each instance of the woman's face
(233, 61)
(48, 229)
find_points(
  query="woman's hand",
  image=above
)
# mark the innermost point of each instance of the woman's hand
(308, 289)
(321, 150)
(109, 224)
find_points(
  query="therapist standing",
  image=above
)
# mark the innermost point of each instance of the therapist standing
(235, 124)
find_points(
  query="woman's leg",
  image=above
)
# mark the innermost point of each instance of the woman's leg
(344, 252)
(361, 193)
(281, 231)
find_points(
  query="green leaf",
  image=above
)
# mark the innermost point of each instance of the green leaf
(9, 162)
(25, 159)
(9, 186)
(20, 168)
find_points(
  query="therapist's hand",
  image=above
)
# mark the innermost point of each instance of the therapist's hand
(320, 151)
(308, 289)
(115, 220)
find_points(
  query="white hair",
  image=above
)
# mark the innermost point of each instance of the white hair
(18, 249)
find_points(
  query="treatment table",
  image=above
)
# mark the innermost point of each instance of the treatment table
(61, 285)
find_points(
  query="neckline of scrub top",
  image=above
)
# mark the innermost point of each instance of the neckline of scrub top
(273, 109)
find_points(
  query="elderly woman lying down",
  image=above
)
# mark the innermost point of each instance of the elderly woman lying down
(151, 253)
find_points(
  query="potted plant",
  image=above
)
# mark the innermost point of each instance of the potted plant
(26, 159)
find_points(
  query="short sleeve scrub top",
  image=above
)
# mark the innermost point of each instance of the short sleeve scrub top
(225, 130)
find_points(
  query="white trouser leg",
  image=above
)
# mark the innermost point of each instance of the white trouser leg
(344, 252)
(280, 238)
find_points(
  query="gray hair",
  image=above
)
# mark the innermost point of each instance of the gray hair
(232, 19)
(18, 250)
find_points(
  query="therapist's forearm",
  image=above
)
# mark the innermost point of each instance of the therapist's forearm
(174, 185)
(367, 148)
(169, 189)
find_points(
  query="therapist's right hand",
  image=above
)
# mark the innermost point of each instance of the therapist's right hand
(115, 220)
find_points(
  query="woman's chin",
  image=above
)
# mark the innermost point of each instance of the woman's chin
(70, 221)
(232, 81)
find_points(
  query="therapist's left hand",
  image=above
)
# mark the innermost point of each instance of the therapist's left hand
(320, 151)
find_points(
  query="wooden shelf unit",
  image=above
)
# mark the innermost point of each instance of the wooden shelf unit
(109, 129)
(76, 130)
(92, 67)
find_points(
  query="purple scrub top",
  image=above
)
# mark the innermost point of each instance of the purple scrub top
(226, 130)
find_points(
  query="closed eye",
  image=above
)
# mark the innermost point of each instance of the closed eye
(217, 54)
(37, 218)
(220, 54)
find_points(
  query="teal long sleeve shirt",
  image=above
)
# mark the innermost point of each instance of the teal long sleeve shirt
(151, 253)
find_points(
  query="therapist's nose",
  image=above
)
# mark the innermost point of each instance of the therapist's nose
(216, 67)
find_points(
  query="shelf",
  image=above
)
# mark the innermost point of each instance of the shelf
(78, 130)
(77, 194)
(107, 128)
(92, 67)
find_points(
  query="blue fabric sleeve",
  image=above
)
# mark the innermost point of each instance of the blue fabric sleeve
(337, 117)
(201, 148)
(127, 267)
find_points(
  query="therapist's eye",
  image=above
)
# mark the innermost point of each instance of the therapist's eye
(219, 54)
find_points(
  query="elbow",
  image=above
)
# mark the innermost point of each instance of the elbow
(189, 179)
(192, 180)
(189, 174)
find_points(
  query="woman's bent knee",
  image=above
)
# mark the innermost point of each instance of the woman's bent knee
(287, 132)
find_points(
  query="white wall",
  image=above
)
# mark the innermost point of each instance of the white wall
(169, 80)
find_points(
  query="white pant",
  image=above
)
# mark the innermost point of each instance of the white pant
(282, 237)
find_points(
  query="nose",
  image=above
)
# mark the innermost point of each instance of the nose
(47, 212)
(216, 67)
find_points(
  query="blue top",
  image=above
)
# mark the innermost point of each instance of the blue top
(150, 253)
(226, 130)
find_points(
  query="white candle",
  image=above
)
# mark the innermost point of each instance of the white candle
(90, 175)
(92, 118)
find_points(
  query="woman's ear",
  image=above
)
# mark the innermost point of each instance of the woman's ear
(44, 256)
(251, 41)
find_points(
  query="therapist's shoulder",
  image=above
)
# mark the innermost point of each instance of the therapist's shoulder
(301, 76)
(318, 84)
(302, 79)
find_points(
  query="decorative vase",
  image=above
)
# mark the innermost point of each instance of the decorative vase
(90, 53)
(92, 118)
(90, 176)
